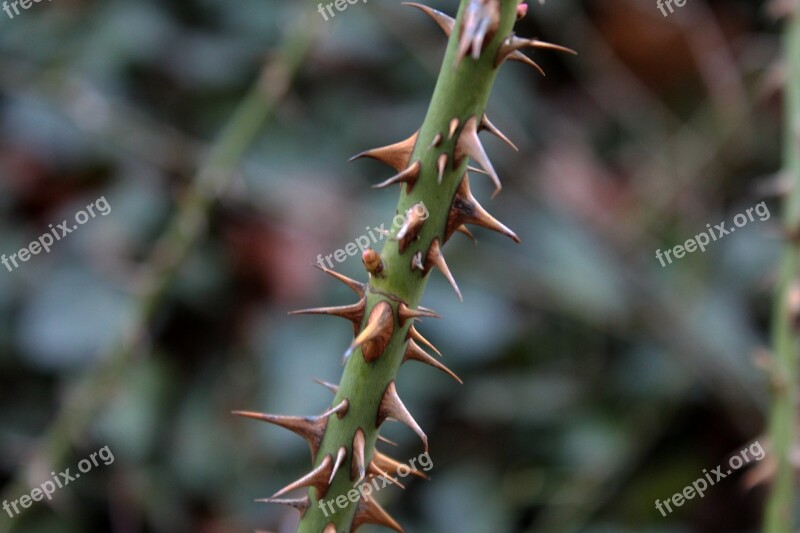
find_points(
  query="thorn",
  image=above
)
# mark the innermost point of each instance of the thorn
(519, 57)
(480, 21)
(387, 441)
(436, 141)
(376, 335)
(340, 455)
(392, 406)
(330, 528)
(370, 512)
(510, 50)
(453, 127)
(310, 428)
(396, 155)
(522, 11)
(416, 262)
(436, 258)
(467, 210)
(478, 170)
(445, 22)
(372, 262)
(375, 470)
(415, 353)
(317, 478)
(463, 229)
(354, 312)
(487, 125)
(408, 176)
(357, 468)
(411, 227)
(406, 313)
(441, 165)
(392, 465)
(470, 145)
(415, 335)
(330, 386)
(301, 504)
(358, 287)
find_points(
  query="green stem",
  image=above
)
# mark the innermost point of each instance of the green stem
(786, 332)
(461, 92)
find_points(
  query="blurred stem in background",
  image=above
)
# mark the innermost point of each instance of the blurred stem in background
(786, 325)
(169, 254)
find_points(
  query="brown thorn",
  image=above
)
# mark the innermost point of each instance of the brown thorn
(487, 125)
(387, 441)
(392, 465)
(436, 258)
(354, 312)
(470, 145)
(392, 406)
(415, 335)
(357, 287)
(370, 512)
(415, 353)
(396, 155)
(408, 176)
(317, 478)
(463, 229)
(519, 57)
(406, 313)
(376, 335)
(376, 471)
(357, 466)
(479, 23)
(310, 428)
(340, 456)
(330, 386)
(411, 227)
(441, 165)
(301, 504)
(467, 210)
(445, 22)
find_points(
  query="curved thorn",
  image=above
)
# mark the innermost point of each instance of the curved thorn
(340, 456)
(415, 335)
(415, 353)
(445, 22)
(370, 512)
(358, 467)
(357, 287)
(395, 155)
(392, 406)
(408, 176)
(317, 478)
(470, 145)
(436, 258)
(487, 125)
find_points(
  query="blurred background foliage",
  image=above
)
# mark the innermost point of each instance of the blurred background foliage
(595, 380)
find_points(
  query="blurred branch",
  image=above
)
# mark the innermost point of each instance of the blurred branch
(786, 328)
(87, 397)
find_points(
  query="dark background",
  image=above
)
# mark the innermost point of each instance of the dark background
(595, 380)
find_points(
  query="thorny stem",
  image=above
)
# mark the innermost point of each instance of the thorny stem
(184, 231)
(461, 92)
(786, 326)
